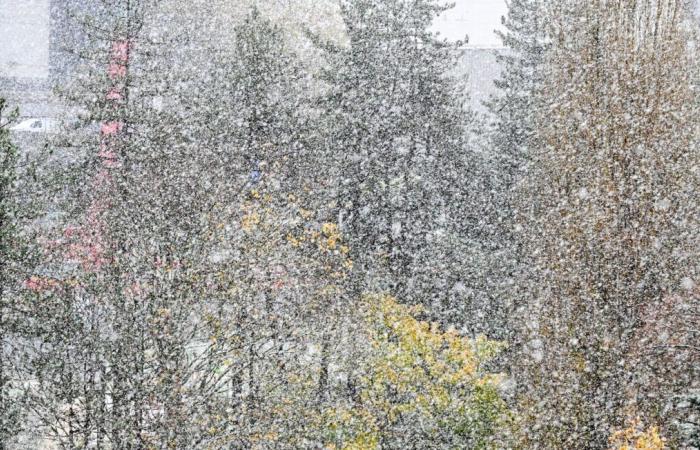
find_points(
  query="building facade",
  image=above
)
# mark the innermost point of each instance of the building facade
(37, 36)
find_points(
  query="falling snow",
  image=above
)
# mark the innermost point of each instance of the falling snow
(349, 224)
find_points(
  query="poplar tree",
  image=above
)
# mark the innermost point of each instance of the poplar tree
(612, 211)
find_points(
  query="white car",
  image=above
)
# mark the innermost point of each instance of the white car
(39, 125)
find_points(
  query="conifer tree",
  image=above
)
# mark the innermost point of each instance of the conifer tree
(512, 139)
(515, 106)
(94, 363)
(396, 148)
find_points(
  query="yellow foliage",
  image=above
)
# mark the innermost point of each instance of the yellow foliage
(295, 242)
(418, 373)
(332, 235)
(420, 351)
(250, 221)
(329, 228)
(634, 437)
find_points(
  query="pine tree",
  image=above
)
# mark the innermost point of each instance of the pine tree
(93, 382)
(512, 139)
(395, 146)
(515, 106)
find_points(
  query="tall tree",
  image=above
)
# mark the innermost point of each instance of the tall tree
(9, 259)
(396, 148)
(90, 359)
(612, 214)
(198, 283)
(515, 106)
(512, 139)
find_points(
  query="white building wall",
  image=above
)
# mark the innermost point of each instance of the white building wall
(24, 52)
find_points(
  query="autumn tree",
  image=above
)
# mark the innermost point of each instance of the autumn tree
(611, 209)
(420, 387)
(664, 366)
(635, 437)
(280, 271)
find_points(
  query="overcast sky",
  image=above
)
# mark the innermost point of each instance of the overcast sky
(477, 18)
